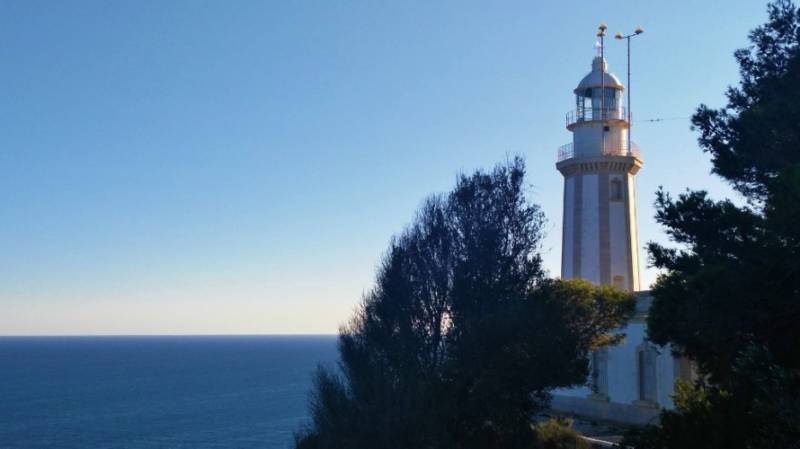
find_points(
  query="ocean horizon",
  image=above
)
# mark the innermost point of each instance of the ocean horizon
(157, 391)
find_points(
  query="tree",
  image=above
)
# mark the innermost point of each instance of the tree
(730, 296)
(462, 337)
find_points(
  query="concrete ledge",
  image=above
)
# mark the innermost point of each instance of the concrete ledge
(595, 442)
(614, 412)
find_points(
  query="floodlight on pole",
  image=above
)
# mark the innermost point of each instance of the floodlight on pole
(601, 33)
(620, 36)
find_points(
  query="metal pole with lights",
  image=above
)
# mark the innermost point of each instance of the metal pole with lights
(601, 33)
(620, 36)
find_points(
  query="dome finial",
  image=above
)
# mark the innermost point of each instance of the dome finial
(599, 64)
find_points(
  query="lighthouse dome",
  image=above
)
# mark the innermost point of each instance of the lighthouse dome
(595, 77)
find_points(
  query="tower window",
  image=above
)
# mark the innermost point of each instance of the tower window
(619, 281)
(615, 189)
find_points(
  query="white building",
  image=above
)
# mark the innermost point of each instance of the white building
(629, 382)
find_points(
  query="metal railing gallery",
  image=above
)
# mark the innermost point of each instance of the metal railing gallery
(593, 114)
(610, 148)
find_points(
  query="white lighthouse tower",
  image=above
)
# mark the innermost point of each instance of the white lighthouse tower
(630, 382)
(600, 241)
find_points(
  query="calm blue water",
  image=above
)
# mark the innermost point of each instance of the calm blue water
(156, 392)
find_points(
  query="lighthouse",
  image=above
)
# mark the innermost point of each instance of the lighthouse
(600, 241)
(630, 382)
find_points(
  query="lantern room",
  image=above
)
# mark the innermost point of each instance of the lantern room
(599, 95)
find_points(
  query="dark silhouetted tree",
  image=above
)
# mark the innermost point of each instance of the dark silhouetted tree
(462, 337)
(730, 297)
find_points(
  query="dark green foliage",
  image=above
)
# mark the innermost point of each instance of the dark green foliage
(462, 337)
(557, 434)
(756, 137)
(730, 299)
(756, 408)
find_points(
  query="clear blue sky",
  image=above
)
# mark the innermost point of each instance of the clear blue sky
(239, 167)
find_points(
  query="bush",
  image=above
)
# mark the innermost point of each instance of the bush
(559, 434)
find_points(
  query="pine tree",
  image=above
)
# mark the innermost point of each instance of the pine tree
(463, 336)
(730, 299)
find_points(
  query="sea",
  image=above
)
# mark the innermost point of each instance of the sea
(192, 392)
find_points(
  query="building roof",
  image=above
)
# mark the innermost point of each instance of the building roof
(593, 79)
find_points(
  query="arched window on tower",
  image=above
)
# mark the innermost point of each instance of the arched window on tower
(615, 189)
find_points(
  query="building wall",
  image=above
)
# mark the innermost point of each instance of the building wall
(590, 138)
(668, 373)
(600, 243)
(618, 243)
(569, 228)
(622, 365)
(634, 231)
(622, 402)
(590, 229)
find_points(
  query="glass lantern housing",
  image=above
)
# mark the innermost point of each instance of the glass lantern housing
(590, 104)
